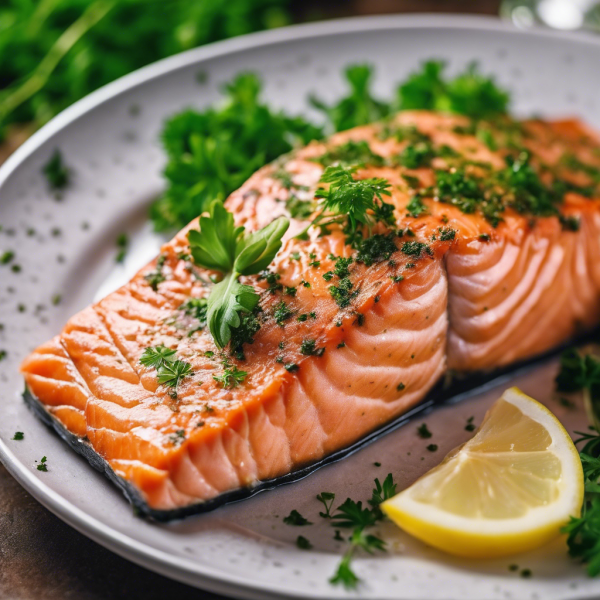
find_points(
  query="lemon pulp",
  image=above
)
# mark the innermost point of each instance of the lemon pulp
(509, 489)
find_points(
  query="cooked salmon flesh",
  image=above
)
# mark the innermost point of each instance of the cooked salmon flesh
(493, 256)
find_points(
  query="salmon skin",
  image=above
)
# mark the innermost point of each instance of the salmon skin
(493, 259)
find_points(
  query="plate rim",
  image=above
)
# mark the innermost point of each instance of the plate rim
(179, 568)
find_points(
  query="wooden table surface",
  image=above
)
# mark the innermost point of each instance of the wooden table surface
(41, 558)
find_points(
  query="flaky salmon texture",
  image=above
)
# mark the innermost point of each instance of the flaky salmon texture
(473, 280)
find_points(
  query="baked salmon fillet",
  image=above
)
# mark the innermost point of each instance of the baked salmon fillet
(489, 254)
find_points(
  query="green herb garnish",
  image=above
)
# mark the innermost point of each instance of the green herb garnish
(211, 153)
(231, 376)
(19, 435)
(583, 532)
(43, 464)
(349, 154)
(469, 93)
(581, 372)
(352, 515)
(423, 431)
(155, 356)
(296, 519)
(57, 174)
(171, 373)
(352, 200)
(326, 499)
(303, 543)
(221, 246)
(359, 107)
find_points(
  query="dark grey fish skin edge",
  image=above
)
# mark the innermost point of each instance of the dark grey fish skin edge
(441, 394)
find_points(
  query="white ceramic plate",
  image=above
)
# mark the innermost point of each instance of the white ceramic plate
(67, 247)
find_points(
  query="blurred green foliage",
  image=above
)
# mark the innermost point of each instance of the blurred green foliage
(53, 52)
(211, 153)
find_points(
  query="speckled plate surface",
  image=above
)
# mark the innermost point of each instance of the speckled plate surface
(67, 247)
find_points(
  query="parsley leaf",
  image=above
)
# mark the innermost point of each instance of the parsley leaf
(327, 499)
(211, 153)
(155, 356)
(351, 153)
(303, 543)
(222, 246)
(57, 174)
(384, 492)
(231, 377)
(469, 93)
(581, 372)
(352, 515)
(170, 373)
(296, 519)
(359, 107)
(351, 201)
(19, 435)
(43, 466)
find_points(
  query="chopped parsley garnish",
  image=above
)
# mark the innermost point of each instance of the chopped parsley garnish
(416, 207)
(156, 277)
(178, 437)
(244, 334)
(432, 447)
(417, 155)
(376, 248)
(308, 347)
(349, 154)
(221, 246)
(423, 431)
(57, 174)
(272, 280)
(470, 426)
(122, 243)
(6, 257)
(231, 376)
(447, 234)
(3, 354)
(299, 209)
(19, 435)
(343, 292)
(281, 313)
(303, 543)
(415, 248)
(196, 308)
(291, 367)
(43, 464)
(296, 519)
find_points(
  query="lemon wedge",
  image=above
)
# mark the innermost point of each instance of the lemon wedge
(507, 490)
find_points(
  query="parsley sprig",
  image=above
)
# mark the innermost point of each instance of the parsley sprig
(169, 370)
(583, 533)
(350, 202)
(352, 515)
(221, 246)
(581, 372)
